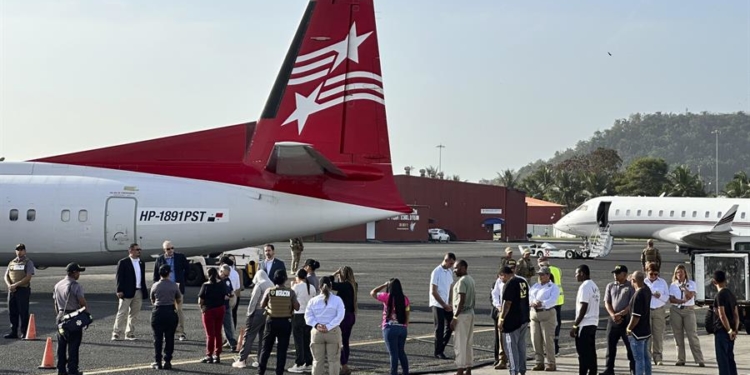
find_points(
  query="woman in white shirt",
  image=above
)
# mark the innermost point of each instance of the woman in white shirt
(324, 313)
(301, 331)
(682, 316)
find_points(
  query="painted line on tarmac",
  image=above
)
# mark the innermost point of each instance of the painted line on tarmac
(113, 370)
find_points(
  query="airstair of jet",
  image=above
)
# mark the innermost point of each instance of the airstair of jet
(600, 242)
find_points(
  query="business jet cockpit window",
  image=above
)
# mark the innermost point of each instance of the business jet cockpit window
(582, 207)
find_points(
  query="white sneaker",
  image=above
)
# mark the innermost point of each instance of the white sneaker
(307, 368)
(182, 337)
(256, 364)
(297, 369)
(239, 364)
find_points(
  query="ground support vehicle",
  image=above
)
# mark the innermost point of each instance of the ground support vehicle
(550, 251)
(246, 262)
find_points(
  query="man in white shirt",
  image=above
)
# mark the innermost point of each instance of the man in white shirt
(542, 301)
(441, 280)
(659, 299)
(131, 291)
(587, 319)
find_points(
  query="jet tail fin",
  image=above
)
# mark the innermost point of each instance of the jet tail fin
(725, 223)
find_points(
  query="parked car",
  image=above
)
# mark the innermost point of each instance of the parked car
(438, 235)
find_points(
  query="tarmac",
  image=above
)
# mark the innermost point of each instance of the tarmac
(373, 264)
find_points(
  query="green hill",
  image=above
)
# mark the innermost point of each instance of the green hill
(679, 139)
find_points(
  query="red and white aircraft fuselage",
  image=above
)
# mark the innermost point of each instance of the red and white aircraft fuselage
(318, 159)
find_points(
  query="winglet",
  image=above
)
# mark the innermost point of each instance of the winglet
(725, 223)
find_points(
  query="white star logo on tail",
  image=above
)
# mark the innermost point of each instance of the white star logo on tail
(307, 72)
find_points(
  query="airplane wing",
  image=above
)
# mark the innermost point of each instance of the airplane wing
(718, 236)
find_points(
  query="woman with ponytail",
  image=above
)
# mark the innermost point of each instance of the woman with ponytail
(395, 320)
(301, 331)
(211, 300)
(324, 313)
(346, 287)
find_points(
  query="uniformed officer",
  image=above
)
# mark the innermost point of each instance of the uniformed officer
(165, 295)
(297, 247)
(18, 280)
(68, 296)
(524, 266)
(542, 300)
(279, 302)
(650, 255)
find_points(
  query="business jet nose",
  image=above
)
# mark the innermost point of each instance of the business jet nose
(562, 225)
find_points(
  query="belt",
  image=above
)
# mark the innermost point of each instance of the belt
(684, 307)
(540, 310)
(657, 308)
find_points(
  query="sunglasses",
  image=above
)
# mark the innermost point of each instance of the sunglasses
(170, 248)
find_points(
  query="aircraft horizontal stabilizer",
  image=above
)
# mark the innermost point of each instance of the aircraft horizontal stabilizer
(299, 159)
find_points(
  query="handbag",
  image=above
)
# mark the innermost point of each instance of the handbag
(710, 320)
(75, 321)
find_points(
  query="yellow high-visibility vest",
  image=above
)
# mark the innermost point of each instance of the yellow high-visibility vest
(557, 274)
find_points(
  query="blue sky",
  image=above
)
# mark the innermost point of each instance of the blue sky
(500, 83)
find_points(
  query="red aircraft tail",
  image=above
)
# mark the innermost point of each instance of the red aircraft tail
(322, 132)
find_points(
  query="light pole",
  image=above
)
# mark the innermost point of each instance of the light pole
(716, 180)
(440, 157)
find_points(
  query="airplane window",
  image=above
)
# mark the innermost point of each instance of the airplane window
(65, 215)
(661, 213)
(742, 216)
(617, 212)
(671, 213)
(31, 215)
(649, 213)
(83, 216)
(683, 213)
(583, 207)
(627, 213)
(14, 215)
(718, 215)
(707, 214)
(695, 213)
(638, 213)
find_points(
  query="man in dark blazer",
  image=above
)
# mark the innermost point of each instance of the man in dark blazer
(179, 265)
(131, 291)
(271, 264)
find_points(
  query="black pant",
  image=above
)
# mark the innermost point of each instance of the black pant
(497, 334)
(18, 308)
(615, 333)
(586, 348)
(67, 351)
(164, 323)
(724, 353)
(557, 328)
(276, 328)
(301, 332)
(442, 321)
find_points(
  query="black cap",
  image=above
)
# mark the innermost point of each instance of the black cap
(20, 246)
(620, 268)
(74, 267)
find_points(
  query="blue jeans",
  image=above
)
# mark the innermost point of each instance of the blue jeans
(724, 353)
(395, 340)
(229, 327)
(641, 356)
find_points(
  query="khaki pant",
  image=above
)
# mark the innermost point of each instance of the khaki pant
(296, 255)
(181, 322)
(130, 307)
(684, 324)
(543, 325)
(658, 325)
(463, 340)
(326, 346)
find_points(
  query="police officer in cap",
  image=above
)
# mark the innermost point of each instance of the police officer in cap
(68, 296)
(18, 280)
(280, 302)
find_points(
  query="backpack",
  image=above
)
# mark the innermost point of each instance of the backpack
(710, 320)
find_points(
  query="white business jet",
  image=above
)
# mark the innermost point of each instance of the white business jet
(690, 223)
(318, 159)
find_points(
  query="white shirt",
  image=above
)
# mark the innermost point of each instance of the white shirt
(234, 278)
(676, 292)
(547, 293)
(137, 268)
(304, 295)
(497, 293)
(588, 292)
(443, 278)
(658, 286)
(330, 315)
(269, 264)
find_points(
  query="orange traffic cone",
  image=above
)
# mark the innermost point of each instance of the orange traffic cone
(31, 331)
(241, 339)
(48, 361)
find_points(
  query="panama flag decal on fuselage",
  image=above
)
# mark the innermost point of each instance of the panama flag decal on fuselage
(333, 89)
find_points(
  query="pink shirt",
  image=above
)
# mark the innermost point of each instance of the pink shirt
(383, 297)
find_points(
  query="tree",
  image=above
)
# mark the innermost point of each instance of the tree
(508, 178)
(566, 190)
(739, 187)
(596, 185)
(646, 176)
(681, 182)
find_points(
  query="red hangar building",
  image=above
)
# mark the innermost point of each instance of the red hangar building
(467, 211)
